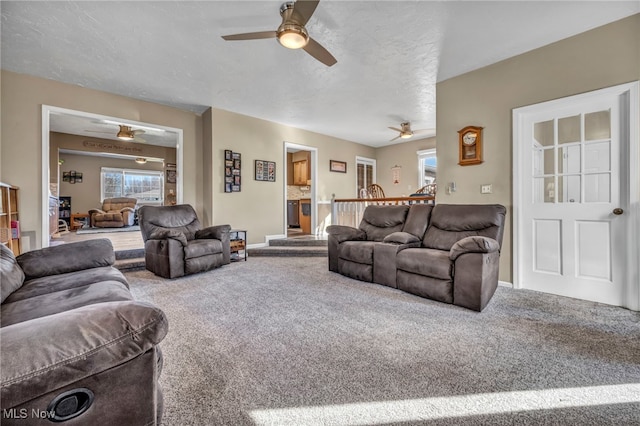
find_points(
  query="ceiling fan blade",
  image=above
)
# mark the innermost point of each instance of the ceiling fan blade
(250, 36)
(314, 49)
(137, 139)
(96, 131)
(396, 129)
(397, 137)
(304, 9)
(138, 131)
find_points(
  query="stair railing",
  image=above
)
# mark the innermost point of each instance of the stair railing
(348, 211)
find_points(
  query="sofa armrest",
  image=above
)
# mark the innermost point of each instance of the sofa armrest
(67, 258)
(163, 234)
(346, 233)
(401, 238)
(475, 244)
(48, 353)
(127, 209)
(96, 211)
(216, 232)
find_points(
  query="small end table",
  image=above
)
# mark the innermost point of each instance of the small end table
(84, 219)
(238, 243)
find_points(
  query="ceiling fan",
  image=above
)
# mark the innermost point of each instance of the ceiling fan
(126, 133)
(406, 132)
(291, 33)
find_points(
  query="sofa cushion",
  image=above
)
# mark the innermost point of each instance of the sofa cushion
(53, 283)
(418, 219)
(380, 221)
(11, 275)
(199, 248)
(67, 258)
(357, 251)
(61, 301)
(451, 223)
(427, 262)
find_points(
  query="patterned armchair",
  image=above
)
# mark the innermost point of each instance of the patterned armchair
(115, 213)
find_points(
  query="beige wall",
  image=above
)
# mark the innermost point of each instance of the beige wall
(259, 207)
(22, 100)
(403, 155)
(599, 58)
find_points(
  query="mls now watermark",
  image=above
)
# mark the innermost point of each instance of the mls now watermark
(23, 413)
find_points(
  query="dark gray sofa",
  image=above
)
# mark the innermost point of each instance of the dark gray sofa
(449, 253)
(74, 340)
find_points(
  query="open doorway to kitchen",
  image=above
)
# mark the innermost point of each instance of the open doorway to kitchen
(301, 208)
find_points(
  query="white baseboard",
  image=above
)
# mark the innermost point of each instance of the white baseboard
(505, 284)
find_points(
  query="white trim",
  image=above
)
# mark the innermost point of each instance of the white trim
(505, 284)
(314, 182)
(268, 238)
(256, 245)
(47, 110)
(629, 95)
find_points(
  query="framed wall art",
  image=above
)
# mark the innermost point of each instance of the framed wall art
(265, 170)
(232, 171)
(337, 166)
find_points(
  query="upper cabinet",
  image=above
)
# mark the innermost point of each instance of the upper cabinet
(299, 170)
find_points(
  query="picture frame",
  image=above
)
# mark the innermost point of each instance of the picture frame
(78, 177)
(66, 176)
(171, 165)
(232, 171)
(172, 176)
(265, 171)
(337, 166)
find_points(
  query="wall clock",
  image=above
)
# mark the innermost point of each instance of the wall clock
(470, 145)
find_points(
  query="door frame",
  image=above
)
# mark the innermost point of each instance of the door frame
(629, 96)
(314, 183)
(367, 161)
(47, 111)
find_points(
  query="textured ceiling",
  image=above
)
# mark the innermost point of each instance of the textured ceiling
(390, 53)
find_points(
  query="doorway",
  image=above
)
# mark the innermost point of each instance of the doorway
(575, 174)
(365, 175)
(77, 122)
(300, 189)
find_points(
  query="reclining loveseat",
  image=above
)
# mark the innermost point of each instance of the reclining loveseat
(75, 346)
(449, 253)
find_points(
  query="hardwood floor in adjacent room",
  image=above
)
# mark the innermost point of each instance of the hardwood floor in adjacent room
(120, 240)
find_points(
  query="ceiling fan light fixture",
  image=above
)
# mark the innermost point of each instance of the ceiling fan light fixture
(125, 133)
(292, 36)
(406, 135)
(141, 160)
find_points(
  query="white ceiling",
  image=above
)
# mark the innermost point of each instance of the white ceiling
(390, 53)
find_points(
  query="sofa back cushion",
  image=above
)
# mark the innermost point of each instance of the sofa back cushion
(418, 219)
(452, 222)
(117, 204)
(11, 275)
(180, 218)
(380, 221)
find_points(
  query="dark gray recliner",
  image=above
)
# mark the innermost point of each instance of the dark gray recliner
(175, 245)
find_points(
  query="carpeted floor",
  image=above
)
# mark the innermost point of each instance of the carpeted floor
(277, 341)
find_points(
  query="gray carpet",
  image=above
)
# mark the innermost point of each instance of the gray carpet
(132, 228)
(276, 341)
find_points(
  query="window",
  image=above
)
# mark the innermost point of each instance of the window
(427, 167)
(365, 175)
(145, 185)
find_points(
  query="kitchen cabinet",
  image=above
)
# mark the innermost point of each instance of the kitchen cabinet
(300, 172)
(305, 215)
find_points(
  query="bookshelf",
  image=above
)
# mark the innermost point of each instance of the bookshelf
(9, 217)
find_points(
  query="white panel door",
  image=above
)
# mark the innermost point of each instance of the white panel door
(572, 238)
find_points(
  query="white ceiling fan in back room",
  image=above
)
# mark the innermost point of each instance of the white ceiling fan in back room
(407, 133)
(292, 33)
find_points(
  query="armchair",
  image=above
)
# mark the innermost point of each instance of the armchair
(115, 213)
(175, 245)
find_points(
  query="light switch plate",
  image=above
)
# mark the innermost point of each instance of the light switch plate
(485, 189)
